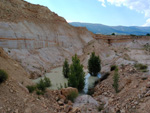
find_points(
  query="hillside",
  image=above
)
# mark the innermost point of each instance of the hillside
(107, 30)
(34, 40)
(36, 37)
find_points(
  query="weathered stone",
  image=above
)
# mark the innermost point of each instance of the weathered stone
(148, 85)
(136, 103)
(60, 102)
(67, 108)
(67, 91)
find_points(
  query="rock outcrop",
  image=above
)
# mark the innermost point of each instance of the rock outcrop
(133, 96)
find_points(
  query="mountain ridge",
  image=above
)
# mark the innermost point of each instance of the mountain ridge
(107, 30)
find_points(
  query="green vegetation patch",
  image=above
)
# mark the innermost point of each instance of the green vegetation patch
(113, 67)
(116, 80)
(76, 75)
(141, 67)
(31, 88)
(66, 69)
(72, 96)
(3, 76)
(40, 87)
(94, 64)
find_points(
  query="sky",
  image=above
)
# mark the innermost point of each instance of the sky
(107, 12)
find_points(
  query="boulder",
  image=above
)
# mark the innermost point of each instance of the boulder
(67, 91)
(148, 85)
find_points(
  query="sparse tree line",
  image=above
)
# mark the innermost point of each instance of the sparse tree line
(75, 73)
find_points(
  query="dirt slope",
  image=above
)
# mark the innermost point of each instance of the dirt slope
(15, 98)
(133, 96)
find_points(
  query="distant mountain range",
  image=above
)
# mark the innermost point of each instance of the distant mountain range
(107, 30)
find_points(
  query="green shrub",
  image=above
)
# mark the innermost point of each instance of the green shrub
(41, 85)
(72, 96)
(66, 69)
(148, 34)
(116, 80)
(113, 34)
(141, 67)
(94, 64)
(113, 67)
(3, 76)
(76, 75)
(39, 92)
(31, 88)
(47, 82)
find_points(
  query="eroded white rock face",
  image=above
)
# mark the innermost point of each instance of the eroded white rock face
(28, 35)
(38, 38)
(41, 46)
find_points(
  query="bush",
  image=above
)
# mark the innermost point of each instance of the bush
(116, 80)
(113, 67)
(38, 92)
(66, 69)
(41, 86)
(141, 67)
(76, 75)
(113, 34)
(72, 96)
(47, 82)
(31, 88)
(3, 76)
(148, 34)
(94, 64)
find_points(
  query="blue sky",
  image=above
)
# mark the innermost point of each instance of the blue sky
(108, 12)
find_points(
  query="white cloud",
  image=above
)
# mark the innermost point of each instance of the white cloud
(116, 2)
(147, 22)
(142, 6)
(103, 2)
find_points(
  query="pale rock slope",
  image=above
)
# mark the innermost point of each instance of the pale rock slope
(38, 38)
